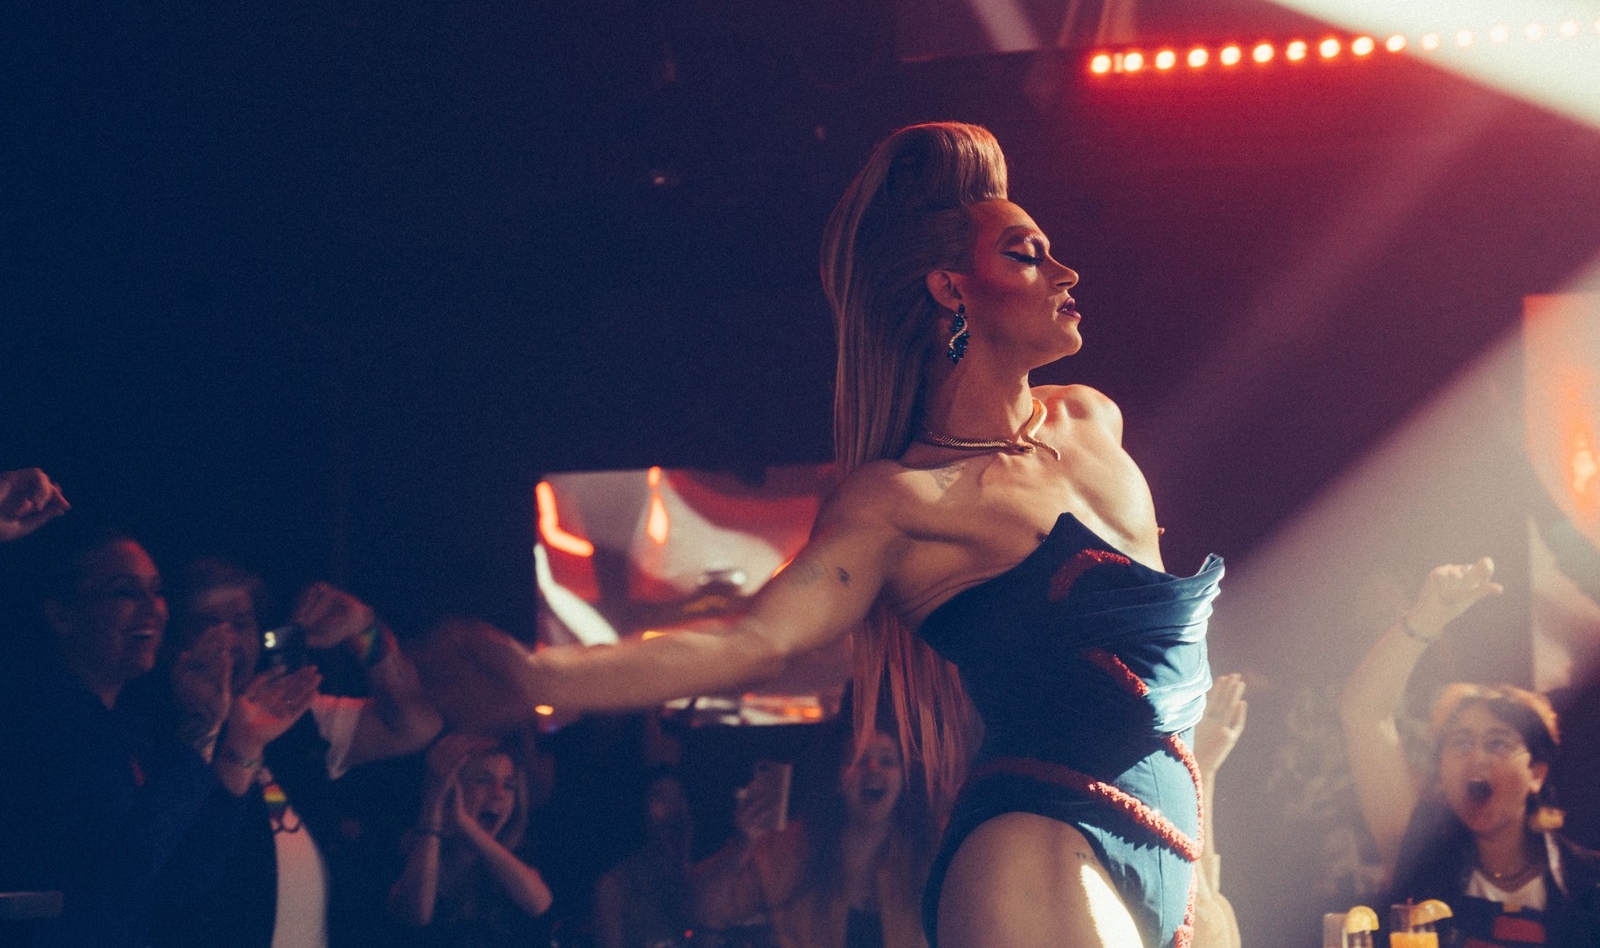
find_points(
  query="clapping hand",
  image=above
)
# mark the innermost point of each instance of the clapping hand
(1223, 722)
(202, 683)
(271, 704)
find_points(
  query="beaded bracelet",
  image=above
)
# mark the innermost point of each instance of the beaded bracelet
(1413, 634)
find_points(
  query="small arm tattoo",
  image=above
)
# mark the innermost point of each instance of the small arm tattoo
(814, 572)
(943, 477)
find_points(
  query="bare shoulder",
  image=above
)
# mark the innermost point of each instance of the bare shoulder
(876, 496)
(1082, 404)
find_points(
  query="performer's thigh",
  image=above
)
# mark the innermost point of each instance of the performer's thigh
(1026, 881)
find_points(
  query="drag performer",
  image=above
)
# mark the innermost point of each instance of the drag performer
(982, 525)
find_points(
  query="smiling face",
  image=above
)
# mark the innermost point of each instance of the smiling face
(1486, 772)
(489, 790)
(871, 784)
(1016, 294)
(111, 624)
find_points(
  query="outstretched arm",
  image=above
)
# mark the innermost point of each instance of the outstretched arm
(481, 677)
(1372, 698)
(398, 719)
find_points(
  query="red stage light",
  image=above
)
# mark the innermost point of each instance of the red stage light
(1100, 64)
(1395, 43)
(1262, 53)
(1363, 45)
(1166, 59)
(1430, 41)
(1198, 57)
(1230, 55)
(1329, 48)
(1132, 62)
(1295, 51)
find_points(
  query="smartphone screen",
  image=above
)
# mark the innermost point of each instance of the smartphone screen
(283, 647)
(771, 782)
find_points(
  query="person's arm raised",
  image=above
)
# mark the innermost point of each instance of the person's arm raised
(1371, 699)
(481, 677)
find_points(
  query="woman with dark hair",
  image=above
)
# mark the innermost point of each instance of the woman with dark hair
(1481, 836)
(989, 538)
(96, 798)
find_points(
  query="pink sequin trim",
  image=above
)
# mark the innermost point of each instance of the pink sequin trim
(1117, 669)
(1083, 561)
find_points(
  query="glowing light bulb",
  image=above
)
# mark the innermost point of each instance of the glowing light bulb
(1230, 55)
(1363, 45)
(1395, 43)
(1132, 62)
(1198, 57)
(1464, 39)
(1329, 48)
(1295, 51)
(1534, 31)
(1166, 59)
(1499, 33)
(1100, 64)
(1263, 53)
(1569, 28)
(1430, 41)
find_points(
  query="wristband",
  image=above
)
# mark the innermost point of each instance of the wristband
(371, 644)
(1413, 634)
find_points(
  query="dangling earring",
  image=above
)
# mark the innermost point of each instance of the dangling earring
(957, 347)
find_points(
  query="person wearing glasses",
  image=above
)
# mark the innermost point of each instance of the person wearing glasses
(1481, 832)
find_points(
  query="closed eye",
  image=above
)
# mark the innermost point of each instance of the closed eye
(1022, 257)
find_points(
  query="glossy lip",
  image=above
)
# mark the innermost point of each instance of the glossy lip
(1070, 307)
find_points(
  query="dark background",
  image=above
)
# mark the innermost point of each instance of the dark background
(328, 286)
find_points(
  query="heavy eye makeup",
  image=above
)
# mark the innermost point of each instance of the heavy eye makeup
(1031, 252)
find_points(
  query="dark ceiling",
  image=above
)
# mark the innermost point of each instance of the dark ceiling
(328, 285)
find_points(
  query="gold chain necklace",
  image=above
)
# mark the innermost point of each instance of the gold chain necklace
(1024, 444)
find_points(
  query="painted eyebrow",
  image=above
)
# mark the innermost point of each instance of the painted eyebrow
(1022, 235)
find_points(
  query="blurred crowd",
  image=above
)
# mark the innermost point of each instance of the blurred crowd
(194, 759)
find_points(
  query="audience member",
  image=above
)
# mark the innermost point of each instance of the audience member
(849, 871)
(280, 879)
(464, 884)
(29, 499)
(95, 800)
(1482, 835)
(645, 901)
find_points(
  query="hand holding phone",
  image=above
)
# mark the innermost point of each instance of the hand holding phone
(762, 805)
(283, 647)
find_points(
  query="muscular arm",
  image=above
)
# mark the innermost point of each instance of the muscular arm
(822, 595)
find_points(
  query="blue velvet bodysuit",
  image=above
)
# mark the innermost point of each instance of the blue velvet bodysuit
(1089, 671)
